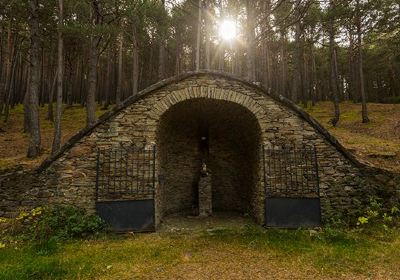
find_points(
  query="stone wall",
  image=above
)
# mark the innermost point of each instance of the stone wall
(69, 177)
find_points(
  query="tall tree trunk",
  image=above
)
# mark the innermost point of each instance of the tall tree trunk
(198, 38)
(313, 75)
(4, 85)
(50, 112)
(135, 63)
(10, 89)
(283, 65)
(351, 89)
(266, 55)
(161, 50)
(178, 54)
(34, 124)
(109, 77)
(363, 95)
(296, 85)
(251, 45)
(208, 24)
(93, 60)
(60, 75)
(118, 94)
(220, 54)
(333, 72)
(26, 99)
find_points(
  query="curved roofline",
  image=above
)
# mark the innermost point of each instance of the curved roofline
(132, 99)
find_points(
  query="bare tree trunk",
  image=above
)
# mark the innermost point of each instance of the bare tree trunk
(352, 80)
(220, 54)
(178, 55)
(60, 75)
(34, 124)
(108, 78)
(363, 95)
(313, 76)
(267, 81)
(135, 63)
(333, 72)
(198, 38)
(283, 65)
(161, 64)
(4, 85)
(161, 52)
(297, 78)
(120, 72)
(208, 25)
(50, 113)
(334, 86)
(251, 46)
(10, 88)
(26, 99)
(93, 59)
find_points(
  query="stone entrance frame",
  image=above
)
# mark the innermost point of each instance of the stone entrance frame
(69, 177)
(233, 158)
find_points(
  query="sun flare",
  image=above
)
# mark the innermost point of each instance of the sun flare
(227, 30)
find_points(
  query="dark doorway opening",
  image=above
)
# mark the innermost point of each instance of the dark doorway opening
(221, 136)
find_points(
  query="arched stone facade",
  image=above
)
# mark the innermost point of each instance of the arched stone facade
(69, 176)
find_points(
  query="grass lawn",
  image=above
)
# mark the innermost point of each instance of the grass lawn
(249, 252)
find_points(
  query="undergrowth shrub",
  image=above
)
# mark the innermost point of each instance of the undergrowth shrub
(46, 226)
(376, 215)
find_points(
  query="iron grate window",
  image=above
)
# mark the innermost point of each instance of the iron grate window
(291, 172)
(125, 173)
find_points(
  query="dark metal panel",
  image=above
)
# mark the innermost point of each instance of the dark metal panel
(292, 212)
(128, 215)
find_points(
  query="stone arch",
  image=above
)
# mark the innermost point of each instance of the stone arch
(207, 92)
(234, 160)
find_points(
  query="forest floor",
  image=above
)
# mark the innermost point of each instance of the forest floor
(377, 142)
(14, 142)
(224, 249)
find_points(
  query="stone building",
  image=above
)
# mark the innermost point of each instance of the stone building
(199, 143)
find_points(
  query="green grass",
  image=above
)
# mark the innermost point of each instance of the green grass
(330, 254)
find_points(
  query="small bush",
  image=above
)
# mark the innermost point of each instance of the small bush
(45, 226)
(66, 222)
(377, 218)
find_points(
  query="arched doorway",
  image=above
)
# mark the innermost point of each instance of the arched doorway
(221, 136)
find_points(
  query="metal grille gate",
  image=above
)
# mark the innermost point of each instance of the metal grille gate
(292, 187)
(125, 186)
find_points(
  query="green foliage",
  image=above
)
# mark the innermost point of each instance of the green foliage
(46, 226)
(65, 222)
(376, 217)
